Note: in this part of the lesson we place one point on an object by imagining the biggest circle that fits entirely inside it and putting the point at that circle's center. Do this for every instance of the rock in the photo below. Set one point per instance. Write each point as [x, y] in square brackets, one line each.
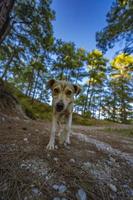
[130, 192]
[87, 165]
[26, 139]
[66, 146]
[113, 187]
[56, 198]
[35, 190]
[55, 159]
[56, 147]
[48, 155]
[72, 160]
[112, 159]
[3, 119]
[81, 195]
[91, 152]
[55, 187]
[61, 188]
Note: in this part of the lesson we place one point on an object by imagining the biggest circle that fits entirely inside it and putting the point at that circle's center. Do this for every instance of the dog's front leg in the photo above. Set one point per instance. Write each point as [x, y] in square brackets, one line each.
[68, 128]
[51, 143]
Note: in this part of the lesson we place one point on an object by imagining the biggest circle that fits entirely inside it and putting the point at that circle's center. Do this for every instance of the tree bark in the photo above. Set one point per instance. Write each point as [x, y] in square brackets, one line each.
[5, 9]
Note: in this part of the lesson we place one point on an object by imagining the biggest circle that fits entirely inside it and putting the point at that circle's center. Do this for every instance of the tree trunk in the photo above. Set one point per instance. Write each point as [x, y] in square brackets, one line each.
[5, 9]
[7, 67]
[123, 105]
[36, 81]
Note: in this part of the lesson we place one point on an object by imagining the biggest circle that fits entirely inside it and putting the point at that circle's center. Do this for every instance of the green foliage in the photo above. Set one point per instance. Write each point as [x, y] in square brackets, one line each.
[30, 56]
[68, 59]
[120, 26]
[30, 38]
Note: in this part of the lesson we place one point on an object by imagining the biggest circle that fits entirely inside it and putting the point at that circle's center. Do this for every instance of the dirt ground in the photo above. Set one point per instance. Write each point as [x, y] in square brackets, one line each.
[99, 162]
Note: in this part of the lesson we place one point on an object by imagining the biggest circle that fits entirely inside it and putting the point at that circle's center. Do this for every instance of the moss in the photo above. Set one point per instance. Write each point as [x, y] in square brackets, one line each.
[35, 109]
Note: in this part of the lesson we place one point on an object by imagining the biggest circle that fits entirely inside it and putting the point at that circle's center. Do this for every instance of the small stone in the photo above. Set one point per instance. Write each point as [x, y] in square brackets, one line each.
[113, 187]
[35, 190]
[55, 187]
[64, 198]
[56, 198]
[81, 195]
[72, 160]
[56, 159]
[37, 130]
[130, 192]
[3, 119]
[66, 146]
[87, 165]
[62, 188]
[48, 155]
[56, 147]
[125, 186]
[112, 159]
[26, 139]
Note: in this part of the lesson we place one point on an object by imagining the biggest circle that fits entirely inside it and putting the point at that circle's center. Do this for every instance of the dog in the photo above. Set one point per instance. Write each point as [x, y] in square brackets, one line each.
[63, 93]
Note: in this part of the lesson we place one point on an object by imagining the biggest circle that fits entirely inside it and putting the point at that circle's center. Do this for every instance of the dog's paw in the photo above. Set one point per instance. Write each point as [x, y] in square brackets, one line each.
[67, 141]
[50, 146]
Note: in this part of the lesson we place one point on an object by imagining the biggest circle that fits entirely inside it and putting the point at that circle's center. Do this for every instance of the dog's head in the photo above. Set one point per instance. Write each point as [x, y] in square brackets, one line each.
[63, 93]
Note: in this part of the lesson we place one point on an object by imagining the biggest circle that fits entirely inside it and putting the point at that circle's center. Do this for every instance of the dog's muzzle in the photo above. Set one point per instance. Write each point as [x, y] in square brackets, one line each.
[59, 106]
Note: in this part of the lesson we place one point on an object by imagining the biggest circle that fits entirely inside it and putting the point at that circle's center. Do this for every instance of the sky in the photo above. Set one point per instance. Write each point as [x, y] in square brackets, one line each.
[79, 20]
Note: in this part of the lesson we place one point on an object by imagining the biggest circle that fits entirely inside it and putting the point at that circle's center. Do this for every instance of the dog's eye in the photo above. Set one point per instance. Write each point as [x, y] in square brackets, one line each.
[68, 92]
[56, 91]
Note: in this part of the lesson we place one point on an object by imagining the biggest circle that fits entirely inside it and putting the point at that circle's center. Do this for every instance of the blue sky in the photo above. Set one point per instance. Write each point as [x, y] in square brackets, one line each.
[78, 21]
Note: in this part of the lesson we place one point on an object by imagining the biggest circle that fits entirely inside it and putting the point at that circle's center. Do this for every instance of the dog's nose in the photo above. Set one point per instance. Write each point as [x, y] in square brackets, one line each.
[59, 106]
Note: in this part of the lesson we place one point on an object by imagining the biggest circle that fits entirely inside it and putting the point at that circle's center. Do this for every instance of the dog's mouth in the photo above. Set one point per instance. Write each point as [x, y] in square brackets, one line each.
[59, 107]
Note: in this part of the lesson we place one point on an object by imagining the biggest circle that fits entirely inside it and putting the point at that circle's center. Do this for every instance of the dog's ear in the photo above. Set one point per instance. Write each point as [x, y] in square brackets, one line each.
[77, 89]
[51, 83]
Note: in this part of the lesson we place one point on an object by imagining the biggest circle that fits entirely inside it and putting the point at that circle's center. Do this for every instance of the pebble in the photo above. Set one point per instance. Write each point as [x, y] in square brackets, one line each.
[113, 187]
[61, 188]
[81, 195]
[56, 159]
[26, 139]
[56, 198]
[112, 159]
[130, 192]
[72, 160]
[3, 119]
[87, 164]
[55, 187]
[35, 190]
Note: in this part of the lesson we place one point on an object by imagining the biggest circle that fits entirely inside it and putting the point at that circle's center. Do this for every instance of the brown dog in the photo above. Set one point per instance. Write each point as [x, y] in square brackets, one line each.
[63, 98]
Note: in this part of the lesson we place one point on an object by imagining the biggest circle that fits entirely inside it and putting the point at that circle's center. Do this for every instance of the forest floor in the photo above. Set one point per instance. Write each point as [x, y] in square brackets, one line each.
[97, 165]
